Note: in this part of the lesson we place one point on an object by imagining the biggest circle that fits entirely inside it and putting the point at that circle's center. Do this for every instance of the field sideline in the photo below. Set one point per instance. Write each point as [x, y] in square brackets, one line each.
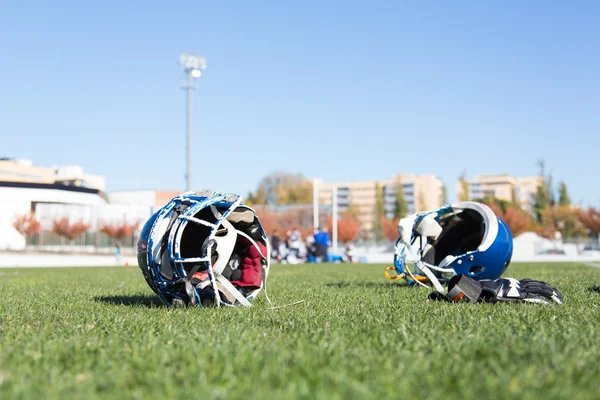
[101, 333]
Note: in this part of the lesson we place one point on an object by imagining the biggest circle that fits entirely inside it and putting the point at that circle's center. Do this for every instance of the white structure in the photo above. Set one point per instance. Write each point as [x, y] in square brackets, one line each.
[47, 201]
[62, 191]
[52, 201]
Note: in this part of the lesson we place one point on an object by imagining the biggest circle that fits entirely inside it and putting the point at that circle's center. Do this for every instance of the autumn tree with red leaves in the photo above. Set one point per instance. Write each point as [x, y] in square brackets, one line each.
[282, 188]
[590, 218]
[517, 220]
[268, 220]
[390, 228]
[117, 232]
[300, 218]
[348, 226]
[27, 225]
[70, 230]
[560, 219]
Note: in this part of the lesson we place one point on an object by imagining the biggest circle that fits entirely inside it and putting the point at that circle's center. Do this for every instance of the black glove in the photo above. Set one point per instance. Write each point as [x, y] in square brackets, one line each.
[463, 288]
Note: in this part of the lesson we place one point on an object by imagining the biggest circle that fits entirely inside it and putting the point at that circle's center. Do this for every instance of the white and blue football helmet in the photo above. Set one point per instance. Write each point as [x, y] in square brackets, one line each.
[463, 238]
[205, 248]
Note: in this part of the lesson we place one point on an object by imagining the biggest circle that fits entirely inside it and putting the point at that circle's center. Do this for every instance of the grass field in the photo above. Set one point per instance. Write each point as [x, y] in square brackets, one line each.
[101, 333]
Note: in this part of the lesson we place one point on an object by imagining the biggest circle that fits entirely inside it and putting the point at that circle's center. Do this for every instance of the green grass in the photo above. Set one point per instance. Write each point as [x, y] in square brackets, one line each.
[101, 333]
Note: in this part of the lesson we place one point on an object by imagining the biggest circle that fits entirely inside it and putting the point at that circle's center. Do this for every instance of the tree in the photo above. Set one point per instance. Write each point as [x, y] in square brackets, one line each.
[540, 202]
[390, 228]
[117, 232]
[563, 196]
[513, 196]
[282, 188]
[268, 219]
[27, 225]
[258, 197]
[496, 204]
[517, 220]
[444, 195]
[550, 191]
[463, 188]
[71, 230]
[348, 227]
[541, 198]
[590, 219]
[294, 217]
[400, 207]
[378, 212]
[562, 219]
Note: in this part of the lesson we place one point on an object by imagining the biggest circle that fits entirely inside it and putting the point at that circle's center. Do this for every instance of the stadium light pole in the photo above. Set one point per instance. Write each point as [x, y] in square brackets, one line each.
[192, 66]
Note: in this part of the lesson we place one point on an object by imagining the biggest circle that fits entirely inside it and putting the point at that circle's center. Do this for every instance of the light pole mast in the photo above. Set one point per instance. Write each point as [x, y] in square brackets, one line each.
[192, 67]
[188, 141]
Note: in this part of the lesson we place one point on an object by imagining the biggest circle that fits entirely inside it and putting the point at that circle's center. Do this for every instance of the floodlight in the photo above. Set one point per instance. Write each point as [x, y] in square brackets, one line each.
[191, 62]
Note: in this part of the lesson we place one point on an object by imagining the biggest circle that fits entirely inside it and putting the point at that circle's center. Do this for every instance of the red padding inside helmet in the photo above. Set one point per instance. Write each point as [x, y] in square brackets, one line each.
[250, 265]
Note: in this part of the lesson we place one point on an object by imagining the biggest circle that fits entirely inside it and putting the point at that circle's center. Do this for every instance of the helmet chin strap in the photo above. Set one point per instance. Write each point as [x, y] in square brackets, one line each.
[419, 263]
[226, 244]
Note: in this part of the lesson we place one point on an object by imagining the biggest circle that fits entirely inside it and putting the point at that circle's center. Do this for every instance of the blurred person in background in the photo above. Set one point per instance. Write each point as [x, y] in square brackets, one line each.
[117, 253]
[276, 245]
[295, 235]
[296, 249]
[310, 248]
[349, 253]
[295, 241]
[322, 243]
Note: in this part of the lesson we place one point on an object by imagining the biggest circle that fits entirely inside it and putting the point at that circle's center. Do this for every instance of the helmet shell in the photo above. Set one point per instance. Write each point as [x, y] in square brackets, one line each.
[193, 243]
[462, 238]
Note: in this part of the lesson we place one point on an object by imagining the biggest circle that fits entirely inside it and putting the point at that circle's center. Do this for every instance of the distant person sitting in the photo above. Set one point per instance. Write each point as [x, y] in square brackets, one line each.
[117, 254]
[322, 242]
[296, 248]
[295, 240]
[275, 245]
[295, 235]
[310, 248]
[349, 253]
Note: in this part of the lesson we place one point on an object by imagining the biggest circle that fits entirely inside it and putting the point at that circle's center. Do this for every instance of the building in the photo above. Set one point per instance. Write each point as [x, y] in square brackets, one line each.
[502, 187]
[420, 192]
[48, 193]
[54, 193]
[23, 171]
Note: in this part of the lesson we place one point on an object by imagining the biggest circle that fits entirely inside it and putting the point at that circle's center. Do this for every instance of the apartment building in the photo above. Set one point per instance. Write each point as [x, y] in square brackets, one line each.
[502, 187]
[421, 192]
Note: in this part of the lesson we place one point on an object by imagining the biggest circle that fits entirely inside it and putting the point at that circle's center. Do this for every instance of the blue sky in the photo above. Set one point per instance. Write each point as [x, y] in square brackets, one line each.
[340, 90]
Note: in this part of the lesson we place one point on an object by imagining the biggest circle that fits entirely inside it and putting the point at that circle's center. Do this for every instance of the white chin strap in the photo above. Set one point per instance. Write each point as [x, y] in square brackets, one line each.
[225, 245]
[428, 227]
[425, 269]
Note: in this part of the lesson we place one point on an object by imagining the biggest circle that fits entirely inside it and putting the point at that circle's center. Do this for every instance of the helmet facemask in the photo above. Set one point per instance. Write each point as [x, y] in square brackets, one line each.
[198, 242]
[465, 238]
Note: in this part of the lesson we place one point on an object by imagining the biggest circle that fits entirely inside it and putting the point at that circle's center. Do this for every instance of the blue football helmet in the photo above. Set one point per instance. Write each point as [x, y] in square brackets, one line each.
[205, 248]
[463, 238]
